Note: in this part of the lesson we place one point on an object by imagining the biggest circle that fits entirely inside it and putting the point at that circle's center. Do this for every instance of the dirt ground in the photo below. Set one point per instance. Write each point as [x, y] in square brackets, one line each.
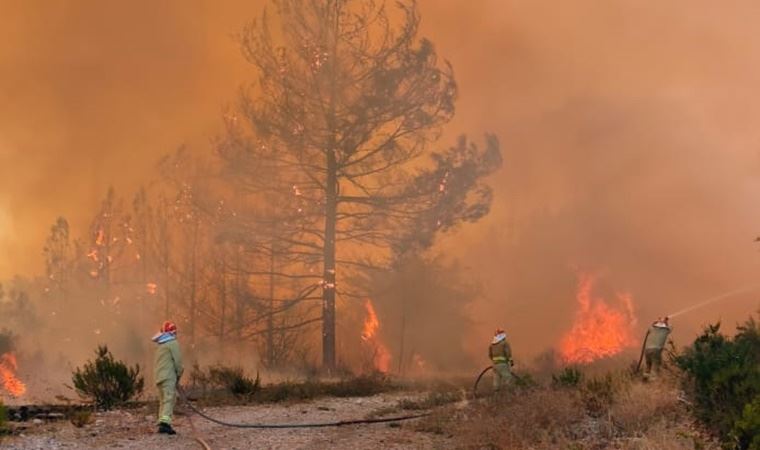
[136, 429]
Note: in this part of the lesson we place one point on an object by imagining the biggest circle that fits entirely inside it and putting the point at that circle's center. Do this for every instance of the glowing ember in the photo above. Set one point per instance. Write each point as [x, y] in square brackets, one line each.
[381, 357]
[600, 330]
[7, 375]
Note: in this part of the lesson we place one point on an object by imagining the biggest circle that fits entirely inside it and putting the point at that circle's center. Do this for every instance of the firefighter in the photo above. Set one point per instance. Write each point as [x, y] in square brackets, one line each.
[655, 342]
[501, 356]
[168, 370]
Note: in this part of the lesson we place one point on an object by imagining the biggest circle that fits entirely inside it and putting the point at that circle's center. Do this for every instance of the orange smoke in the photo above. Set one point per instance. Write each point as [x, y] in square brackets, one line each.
[381, 357]
[599, 330]
[7, 375]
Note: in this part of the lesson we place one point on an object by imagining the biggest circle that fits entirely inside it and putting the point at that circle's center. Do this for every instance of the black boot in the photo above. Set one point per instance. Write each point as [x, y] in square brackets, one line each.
[165, 428]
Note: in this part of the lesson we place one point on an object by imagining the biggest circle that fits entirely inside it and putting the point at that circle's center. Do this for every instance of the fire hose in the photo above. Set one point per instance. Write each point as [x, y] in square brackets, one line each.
[483, 372]
[641, 355]
[339, 423]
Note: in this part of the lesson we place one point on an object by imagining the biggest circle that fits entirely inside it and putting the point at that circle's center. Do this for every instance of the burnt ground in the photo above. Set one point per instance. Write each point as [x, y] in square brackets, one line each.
[135, 429]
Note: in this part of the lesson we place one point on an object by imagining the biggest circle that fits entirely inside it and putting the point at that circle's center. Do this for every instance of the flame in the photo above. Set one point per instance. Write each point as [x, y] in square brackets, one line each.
[600, 330]
[381, 357]
[7, 375]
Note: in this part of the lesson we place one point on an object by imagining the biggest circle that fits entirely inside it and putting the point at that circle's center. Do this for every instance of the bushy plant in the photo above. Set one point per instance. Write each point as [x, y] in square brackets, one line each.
[569, 377]
[234, 380]
[723, 377]
[746, 430]
[107, 381]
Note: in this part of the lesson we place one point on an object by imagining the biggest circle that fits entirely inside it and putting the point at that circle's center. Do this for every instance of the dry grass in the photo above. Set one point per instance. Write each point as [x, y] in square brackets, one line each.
[639, 416]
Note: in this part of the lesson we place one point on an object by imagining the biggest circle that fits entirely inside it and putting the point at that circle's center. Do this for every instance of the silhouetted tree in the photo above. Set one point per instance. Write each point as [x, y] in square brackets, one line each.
[348, 100]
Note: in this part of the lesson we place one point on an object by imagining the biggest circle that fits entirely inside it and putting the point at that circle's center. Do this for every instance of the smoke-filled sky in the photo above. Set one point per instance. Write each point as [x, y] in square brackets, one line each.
[628, 130]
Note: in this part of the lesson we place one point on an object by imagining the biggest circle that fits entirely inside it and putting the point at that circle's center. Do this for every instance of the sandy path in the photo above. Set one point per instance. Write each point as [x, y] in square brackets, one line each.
[135, 430]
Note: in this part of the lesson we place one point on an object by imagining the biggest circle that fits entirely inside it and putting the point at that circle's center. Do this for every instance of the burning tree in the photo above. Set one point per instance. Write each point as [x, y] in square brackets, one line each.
[348, 101]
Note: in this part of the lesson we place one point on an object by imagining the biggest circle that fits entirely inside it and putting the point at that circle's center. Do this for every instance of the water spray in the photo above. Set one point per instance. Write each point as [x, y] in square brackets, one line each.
[715, 299]
[692, 308]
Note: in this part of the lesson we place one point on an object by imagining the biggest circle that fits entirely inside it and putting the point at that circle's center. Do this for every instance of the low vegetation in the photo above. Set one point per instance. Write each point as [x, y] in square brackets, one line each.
[107, 382]
[221, 384]
[722, 376]
[234, 380]
[81, 417]
[3, 418]
[431, 400]
[568, 377]
[611, 411]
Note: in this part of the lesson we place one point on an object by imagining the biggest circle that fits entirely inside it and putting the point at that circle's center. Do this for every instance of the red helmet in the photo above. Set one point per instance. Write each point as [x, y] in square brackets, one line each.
[498, 331]
[168, 327]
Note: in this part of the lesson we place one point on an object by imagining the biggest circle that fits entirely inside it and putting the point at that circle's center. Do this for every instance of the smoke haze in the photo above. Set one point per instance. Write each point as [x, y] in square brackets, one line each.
[628, 131]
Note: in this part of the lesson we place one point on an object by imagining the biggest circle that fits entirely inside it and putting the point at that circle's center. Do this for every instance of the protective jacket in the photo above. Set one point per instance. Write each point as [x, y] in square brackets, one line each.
[499, 351]
[168, 363]
[658, 335]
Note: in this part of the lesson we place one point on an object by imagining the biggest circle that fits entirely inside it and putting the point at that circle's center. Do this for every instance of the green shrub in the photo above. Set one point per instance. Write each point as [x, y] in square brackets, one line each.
[106, 381]
[746, 432]
[233, 379]
[569, 377]
[723, 377]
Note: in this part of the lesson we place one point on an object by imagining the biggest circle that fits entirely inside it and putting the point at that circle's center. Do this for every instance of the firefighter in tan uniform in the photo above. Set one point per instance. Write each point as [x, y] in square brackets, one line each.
[500, 354]
[655, 342]
[168, 370]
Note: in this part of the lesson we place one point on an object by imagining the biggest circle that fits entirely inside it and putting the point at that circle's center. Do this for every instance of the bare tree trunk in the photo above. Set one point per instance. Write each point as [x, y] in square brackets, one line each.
[193, 281]
[328, 292]
[401, 345]
[270, 318]
[223, 300]
[331, 211]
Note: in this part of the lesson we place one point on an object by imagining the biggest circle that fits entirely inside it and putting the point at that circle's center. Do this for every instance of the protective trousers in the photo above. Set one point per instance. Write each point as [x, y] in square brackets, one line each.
[654, 359]
[167, 397]
[502, 376]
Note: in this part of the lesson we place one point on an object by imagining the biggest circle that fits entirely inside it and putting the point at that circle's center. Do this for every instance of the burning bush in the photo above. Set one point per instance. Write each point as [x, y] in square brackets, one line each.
[723, 377]
[106, 381]
[8, 366]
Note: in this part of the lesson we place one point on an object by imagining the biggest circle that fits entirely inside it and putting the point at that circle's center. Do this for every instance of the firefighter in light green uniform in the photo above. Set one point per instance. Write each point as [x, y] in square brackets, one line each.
[655, 342]
[500, 354]
[168, 370]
